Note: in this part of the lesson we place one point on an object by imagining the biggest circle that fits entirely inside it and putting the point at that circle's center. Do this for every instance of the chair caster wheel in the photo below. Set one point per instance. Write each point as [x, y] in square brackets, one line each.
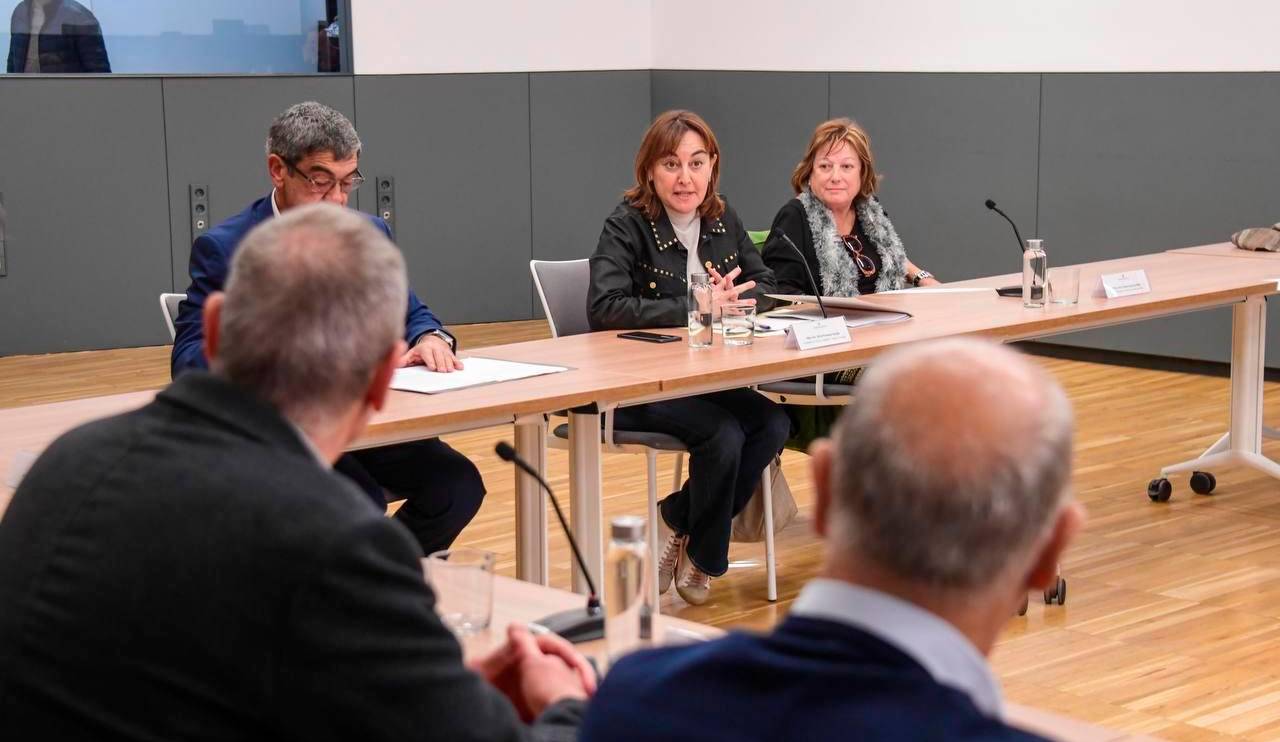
[1159, 490]
[1057, 593]
[1202, 482]
[1026, 603]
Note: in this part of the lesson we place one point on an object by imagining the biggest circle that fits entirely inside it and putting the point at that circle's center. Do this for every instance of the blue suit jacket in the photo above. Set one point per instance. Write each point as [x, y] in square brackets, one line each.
[210, 260]
[811, 679]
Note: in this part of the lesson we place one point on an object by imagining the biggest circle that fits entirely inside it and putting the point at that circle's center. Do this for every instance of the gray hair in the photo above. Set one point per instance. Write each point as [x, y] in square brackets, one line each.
[952, 463]
[311, 127]
[315, 300]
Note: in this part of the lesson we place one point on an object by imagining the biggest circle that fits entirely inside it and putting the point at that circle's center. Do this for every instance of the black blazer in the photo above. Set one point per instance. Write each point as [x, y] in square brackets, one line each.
[70, 40]
[190, 571]
[638, 270]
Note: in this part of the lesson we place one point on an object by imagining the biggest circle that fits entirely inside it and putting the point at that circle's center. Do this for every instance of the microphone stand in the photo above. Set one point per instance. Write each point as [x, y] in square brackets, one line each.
[812, 283]
[1013, 291]
[577, 624]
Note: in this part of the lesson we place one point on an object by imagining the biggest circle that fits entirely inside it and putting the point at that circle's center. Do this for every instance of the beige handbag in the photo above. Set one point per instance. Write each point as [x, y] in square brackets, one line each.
[748, 526]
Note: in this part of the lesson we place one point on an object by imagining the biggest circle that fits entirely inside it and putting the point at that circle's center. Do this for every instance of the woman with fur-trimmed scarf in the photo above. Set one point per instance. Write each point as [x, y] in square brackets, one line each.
[845, 236]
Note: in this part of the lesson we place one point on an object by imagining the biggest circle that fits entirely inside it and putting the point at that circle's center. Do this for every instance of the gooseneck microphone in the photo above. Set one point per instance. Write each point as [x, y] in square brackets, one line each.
[1022, 246]
[576, 625]
[1013, 291]
[812, 283]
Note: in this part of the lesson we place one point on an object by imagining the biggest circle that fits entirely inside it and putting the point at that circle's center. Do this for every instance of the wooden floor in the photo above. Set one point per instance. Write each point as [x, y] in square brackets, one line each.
[1172, 626]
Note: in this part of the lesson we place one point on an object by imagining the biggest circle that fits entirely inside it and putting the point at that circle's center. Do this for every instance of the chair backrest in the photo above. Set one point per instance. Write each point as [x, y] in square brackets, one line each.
[169, 305]
[758, 237]
[562, 288]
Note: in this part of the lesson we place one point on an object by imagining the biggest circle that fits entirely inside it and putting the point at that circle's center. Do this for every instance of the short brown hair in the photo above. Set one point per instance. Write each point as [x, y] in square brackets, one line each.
[661, 140]
[828, 134]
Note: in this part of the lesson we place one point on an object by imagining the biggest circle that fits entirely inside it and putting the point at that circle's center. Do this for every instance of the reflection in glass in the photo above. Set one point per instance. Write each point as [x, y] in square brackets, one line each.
[176, 36]
[55, 36]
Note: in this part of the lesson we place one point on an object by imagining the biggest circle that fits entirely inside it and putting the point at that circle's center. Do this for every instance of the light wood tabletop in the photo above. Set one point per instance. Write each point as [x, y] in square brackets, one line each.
[1226, 250]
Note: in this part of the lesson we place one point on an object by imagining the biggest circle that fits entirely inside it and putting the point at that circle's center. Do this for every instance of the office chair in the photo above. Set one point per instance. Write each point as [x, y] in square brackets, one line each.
[169, 306]
[562, 288]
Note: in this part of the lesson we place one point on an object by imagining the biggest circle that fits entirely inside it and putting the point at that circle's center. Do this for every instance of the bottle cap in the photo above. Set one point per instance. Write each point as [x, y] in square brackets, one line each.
[1035, 244]
[699, 278]
[628, 528]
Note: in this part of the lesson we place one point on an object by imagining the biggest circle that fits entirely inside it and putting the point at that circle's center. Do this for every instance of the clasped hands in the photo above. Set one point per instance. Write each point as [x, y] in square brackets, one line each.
[536, 671]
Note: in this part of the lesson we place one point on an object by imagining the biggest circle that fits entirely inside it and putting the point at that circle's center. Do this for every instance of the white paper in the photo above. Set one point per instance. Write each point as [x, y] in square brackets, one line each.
[1128, 283]
[475, 372]
[783, 319]
[939, 290]
[839, 302]
[817, 334]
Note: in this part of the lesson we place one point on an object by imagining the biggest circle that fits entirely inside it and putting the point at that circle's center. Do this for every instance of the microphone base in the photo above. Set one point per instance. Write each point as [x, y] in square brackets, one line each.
[1012, 291]
[576, 625]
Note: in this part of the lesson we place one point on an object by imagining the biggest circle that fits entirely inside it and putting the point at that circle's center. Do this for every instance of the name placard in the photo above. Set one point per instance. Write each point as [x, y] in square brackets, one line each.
[817, 334]
[1128, 283]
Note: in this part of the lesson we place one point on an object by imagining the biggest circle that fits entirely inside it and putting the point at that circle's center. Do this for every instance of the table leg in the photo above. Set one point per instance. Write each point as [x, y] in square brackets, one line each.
[531, 502]
[584, 494]
[1242, 445]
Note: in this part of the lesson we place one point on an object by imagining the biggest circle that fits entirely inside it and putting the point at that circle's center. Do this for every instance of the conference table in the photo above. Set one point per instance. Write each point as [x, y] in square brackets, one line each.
[606, 372]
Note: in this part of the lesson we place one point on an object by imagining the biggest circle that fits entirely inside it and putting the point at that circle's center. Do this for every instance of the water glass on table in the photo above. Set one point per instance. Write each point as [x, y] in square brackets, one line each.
[738, 319]
[1064, 285]
[463, 583]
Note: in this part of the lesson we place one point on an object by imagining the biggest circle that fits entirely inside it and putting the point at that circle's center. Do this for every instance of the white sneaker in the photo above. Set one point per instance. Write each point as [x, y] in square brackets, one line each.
[669, 561]
[694, 585]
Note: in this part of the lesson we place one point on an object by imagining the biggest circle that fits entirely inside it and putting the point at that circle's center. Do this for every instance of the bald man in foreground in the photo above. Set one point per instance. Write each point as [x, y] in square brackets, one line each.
[942, 499]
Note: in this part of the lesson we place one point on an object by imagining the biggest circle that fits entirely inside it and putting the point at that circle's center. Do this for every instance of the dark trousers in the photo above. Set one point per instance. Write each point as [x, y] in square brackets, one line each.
[732, 436]
[442, 488]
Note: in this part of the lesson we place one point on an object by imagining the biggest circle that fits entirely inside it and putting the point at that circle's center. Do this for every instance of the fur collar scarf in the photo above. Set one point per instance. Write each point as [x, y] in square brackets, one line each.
[839, 274]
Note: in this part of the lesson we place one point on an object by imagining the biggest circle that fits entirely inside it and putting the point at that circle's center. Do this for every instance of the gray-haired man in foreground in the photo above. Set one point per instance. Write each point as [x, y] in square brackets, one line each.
[197, 570]
[943, 498]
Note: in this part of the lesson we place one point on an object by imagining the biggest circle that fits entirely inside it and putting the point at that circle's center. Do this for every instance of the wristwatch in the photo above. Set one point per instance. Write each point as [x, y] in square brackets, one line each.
[917, 278]
[451, 340]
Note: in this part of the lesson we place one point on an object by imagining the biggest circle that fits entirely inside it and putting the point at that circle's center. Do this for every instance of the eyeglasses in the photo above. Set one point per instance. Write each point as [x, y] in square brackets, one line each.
[853, 246]
[323, 183]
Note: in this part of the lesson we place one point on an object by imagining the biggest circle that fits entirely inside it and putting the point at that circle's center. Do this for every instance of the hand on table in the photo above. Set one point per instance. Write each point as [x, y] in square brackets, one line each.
[433, 352]
[723, 291]
[536, 671]
[931, 282]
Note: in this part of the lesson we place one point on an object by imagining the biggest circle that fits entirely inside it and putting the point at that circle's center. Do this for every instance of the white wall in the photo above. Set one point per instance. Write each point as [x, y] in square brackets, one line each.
[421, 36]
[967, 35]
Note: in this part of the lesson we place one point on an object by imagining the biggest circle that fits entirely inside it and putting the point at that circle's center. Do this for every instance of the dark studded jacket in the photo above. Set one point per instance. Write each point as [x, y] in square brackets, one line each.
[638, 269]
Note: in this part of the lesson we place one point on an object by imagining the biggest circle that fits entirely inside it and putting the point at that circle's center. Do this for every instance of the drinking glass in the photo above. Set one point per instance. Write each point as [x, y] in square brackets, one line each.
[463, 582]
[739, 322]
[1064, 285]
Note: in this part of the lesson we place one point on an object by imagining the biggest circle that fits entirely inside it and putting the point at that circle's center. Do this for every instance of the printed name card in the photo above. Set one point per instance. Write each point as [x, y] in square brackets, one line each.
[1128, 283]
[817, 334]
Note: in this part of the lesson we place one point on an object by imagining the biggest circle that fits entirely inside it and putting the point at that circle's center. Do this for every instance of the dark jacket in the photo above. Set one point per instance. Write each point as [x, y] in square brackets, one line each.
[211, 259]
[190, 571]
[811, 679]
[70, 40]
[638, 270]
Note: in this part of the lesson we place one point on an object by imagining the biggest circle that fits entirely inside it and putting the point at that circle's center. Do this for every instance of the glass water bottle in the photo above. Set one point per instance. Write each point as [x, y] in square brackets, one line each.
[700, 311]
[626, 576]
[1035, 266]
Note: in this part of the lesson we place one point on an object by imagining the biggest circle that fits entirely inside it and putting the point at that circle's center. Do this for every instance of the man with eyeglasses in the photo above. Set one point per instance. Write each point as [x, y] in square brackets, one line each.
[313, 155]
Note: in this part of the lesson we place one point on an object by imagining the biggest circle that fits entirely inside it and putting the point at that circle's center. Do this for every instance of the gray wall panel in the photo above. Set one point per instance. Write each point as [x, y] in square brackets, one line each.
[458, 148]
[83, 176]
[761, 119]
[1133, 164]
[944, 144]
[584, 130]
[216, 128]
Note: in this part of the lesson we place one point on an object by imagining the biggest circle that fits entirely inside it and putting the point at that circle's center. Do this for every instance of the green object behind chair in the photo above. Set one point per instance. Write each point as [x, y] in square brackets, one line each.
[758, 236]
